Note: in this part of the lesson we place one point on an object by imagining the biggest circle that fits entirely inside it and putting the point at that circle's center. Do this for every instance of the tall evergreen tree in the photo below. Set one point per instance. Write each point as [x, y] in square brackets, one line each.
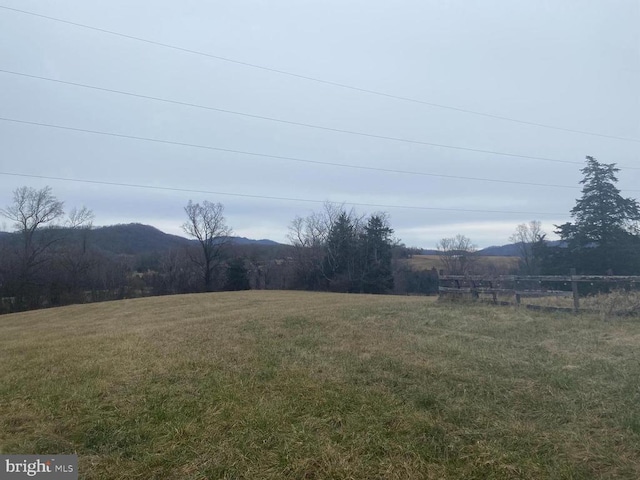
[603, 236]
[341, 249]
[376, 244]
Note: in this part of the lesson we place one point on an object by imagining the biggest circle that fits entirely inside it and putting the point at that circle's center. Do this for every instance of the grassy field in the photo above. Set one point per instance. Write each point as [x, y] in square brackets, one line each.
[308, 385]
[496, 264]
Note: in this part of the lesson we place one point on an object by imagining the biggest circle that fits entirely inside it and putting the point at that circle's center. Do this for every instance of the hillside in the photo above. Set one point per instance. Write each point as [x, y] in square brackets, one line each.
[133, 239]
[290, 385]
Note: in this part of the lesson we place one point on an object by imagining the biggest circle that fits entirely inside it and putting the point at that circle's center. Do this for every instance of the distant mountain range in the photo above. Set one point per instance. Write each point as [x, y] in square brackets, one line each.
[135, 238]
[509, 250]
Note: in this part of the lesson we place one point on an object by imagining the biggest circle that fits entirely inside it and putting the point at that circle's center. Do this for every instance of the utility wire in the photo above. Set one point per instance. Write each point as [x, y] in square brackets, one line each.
[288, 122]
[96, 132]
[292, 159]
[320, 80]
[266, 197]
[279, 157]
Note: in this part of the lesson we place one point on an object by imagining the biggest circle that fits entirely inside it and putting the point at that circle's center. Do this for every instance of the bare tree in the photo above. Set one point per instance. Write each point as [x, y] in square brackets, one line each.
[74, 255]
[309, 236]
[525, 236]
[80, 218]
[31, 210]
[176, 274]
[313, 230]
[206, 223]
[457, 254]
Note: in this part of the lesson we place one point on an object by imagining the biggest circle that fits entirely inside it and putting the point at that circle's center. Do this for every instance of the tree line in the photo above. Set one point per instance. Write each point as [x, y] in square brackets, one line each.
[341, 251]
[51, 258]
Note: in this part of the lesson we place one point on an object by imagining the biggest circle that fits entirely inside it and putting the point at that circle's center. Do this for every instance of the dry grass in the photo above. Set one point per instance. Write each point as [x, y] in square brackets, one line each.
[618, 302]
[607, 305]
[496, 265]
[310, 385]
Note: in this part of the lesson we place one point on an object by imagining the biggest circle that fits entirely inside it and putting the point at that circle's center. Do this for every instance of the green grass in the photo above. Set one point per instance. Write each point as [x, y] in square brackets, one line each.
[309, 385]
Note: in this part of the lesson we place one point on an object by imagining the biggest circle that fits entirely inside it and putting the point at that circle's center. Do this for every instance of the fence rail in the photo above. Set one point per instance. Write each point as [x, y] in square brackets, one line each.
[476, 285]
[544, 278]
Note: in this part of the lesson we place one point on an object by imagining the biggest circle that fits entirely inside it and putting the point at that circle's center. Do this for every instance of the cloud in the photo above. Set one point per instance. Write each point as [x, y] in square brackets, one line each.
[567, 64]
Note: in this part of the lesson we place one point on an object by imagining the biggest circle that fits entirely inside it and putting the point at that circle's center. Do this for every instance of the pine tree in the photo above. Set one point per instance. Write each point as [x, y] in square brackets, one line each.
[377, 276]
[603, 237]
[341, 249]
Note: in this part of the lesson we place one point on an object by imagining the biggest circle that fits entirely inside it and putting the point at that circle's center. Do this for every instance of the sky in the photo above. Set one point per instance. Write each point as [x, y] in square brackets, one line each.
[408, 95]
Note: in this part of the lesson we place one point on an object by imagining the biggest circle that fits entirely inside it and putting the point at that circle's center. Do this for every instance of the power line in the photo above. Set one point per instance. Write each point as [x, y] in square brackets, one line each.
[266, 197]
[293, 159]
[147, 139]
[320, 80]
[280, 157]
[288, 122]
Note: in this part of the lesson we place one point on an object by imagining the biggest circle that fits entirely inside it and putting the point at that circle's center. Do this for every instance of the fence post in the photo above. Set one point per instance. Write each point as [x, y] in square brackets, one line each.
[574, 289]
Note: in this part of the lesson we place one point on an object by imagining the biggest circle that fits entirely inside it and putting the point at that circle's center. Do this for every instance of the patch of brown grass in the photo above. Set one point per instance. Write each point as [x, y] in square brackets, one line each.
[607, 305]
[497, 265]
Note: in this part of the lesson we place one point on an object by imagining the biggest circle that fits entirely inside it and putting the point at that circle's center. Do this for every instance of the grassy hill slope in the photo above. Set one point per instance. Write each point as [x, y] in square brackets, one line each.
[309, 385]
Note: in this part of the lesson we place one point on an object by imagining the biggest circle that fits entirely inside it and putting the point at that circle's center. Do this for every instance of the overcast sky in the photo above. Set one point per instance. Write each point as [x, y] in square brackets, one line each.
[569, 64]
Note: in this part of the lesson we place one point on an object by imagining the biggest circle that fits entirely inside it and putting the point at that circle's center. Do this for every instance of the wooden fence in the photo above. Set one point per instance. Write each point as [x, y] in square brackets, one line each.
[526, 286]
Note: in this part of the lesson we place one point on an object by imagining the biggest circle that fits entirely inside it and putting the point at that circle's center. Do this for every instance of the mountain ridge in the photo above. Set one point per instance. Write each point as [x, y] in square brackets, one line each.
[135, 238]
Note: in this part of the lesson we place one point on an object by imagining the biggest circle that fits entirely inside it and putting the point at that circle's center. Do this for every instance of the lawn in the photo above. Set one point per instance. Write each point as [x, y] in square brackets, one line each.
[290, 385]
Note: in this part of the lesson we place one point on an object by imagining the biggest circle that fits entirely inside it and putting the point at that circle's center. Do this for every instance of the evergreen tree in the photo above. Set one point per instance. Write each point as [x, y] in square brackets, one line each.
[341, 249]
[344, 253]
[603, 237]
[237, 276]
[376, 244]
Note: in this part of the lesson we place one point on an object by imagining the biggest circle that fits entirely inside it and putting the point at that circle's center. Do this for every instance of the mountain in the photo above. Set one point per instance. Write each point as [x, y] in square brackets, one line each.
[135, 239]
[248, 241]
[513, 249]
[510, 250]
